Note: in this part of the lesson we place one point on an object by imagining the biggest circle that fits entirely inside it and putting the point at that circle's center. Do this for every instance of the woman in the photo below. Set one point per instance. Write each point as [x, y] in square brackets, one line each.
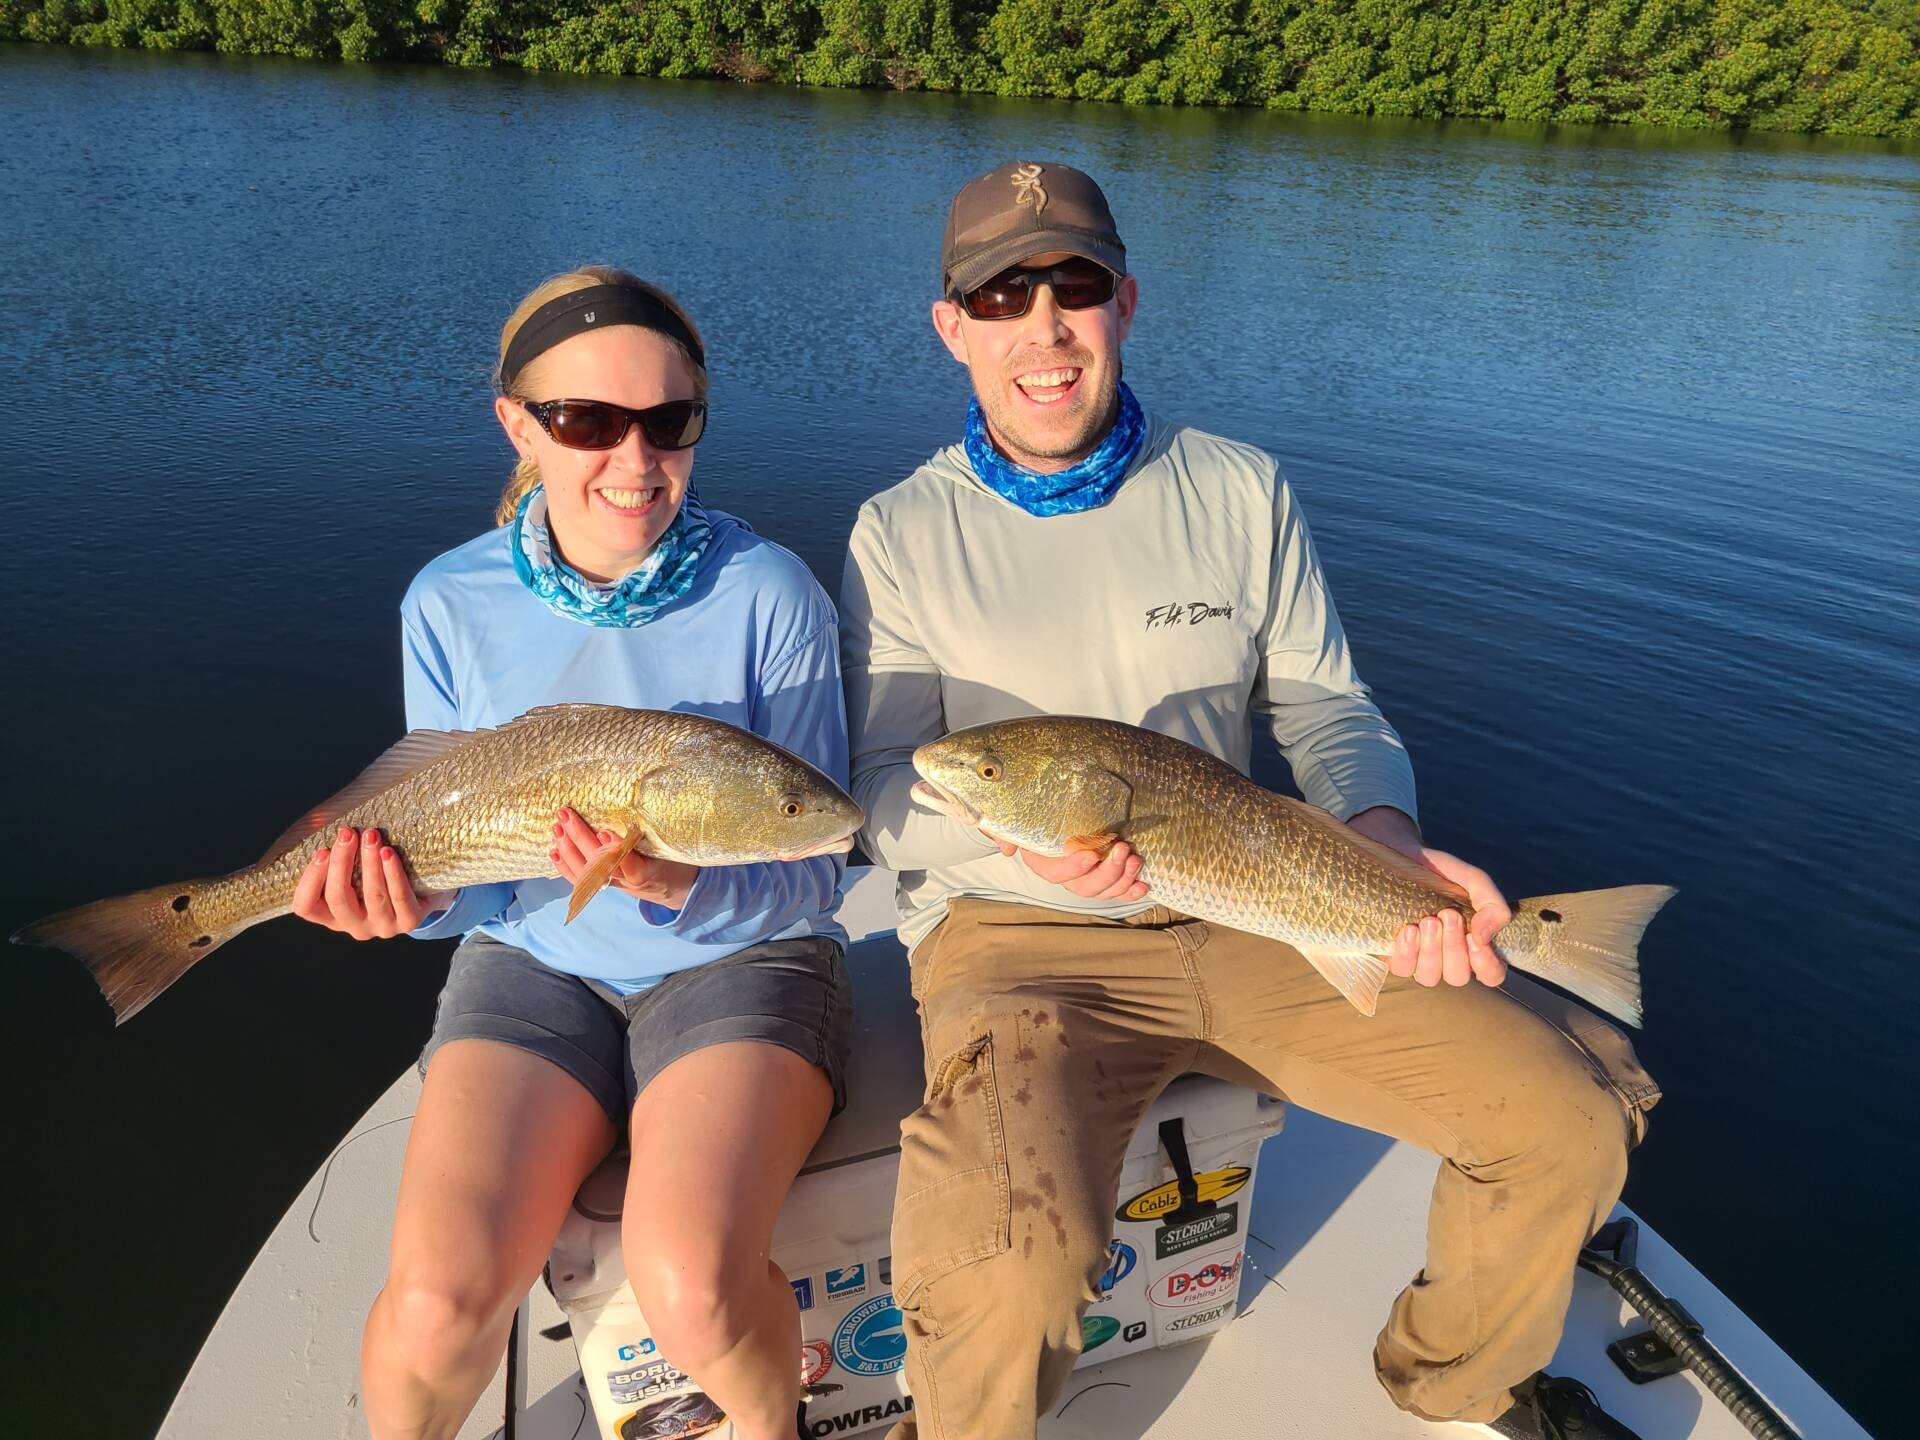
[703, 1012]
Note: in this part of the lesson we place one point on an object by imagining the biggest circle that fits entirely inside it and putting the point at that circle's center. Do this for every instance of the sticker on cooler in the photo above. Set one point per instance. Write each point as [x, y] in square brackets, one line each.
[1195, 1319]
[1164, 1199]
[654, 1377]
[847, 1282]
[1171, 1239]
[1204, 1278]
[1096, 1330]
[871, 1339]
[1125, 1257]
[680, 1417]
[860, 1419]
[816, 1359]
[803, 1291]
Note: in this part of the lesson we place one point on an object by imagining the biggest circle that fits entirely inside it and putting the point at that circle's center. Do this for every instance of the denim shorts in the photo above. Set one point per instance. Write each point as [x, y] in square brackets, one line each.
[791, 993]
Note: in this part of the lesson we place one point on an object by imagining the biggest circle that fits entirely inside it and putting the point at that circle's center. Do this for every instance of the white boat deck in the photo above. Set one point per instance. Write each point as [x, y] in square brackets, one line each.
[1338, 1226]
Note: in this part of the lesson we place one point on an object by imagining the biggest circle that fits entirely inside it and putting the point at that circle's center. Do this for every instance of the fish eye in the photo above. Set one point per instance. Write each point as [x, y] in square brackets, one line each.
[791, 807]
[988, 769]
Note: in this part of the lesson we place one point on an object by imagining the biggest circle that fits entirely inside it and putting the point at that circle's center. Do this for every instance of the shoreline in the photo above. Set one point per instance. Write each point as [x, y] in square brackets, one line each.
[1746, 65]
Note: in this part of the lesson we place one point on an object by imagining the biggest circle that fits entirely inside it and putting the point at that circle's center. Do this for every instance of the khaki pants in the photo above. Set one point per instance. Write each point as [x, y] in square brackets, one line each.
[1049, 1034]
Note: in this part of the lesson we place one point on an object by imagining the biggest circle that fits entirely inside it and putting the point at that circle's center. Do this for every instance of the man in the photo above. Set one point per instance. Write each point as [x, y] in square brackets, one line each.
[1076, 556]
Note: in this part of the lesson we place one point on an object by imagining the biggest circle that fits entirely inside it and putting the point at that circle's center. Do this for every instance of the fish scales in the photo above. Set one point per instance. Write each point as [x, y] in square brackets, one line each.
[1214, 844]
[471, 808]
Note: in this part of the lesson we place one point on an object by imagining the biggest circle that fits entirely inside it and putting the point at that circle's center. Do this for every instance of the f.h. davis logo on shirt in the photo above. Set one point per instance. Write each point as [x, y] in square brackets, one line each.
[1176, 613]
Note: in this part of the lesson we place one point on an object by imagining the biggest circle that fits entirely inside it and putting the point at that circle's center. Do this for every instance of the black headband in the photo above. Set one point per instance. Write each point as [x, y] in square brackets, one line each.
[591, 309]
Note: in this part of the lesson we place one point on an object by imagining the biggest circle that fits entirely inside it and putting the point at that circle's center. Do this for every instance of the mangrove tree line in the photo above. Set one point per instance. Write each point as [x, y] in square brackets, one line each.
[1843, 66]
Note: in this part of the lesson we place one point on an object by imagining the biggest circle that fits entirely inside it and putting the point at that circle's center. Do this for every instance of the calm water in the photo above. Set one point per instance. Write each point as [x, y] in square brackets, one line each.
[1608, 439]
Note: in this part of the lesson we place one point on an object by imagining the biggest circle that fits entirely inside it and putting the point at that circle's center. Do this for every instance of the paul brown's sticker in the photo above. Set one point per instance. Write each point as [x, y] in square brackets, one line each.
[1165, 1199]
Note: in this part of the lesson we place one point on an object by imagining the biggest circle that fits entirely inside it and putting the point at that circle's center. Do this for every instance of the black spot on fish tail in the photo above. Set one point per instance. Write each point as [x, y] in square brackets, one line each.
[1552, 917]
[180, 902]
[203, 942]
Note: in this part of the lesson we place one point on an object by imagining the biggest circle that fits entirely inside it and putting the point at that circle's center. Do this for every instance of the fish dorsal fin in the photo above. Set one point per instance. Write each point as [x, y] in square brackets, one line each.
[1355, 975]
[1405, 866]
[412, 753]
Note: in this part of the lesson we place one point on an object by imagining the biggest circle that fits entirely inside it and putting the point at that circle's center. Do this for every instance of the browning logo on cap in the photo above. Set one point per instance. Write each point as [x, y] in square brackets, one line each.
[1026, 186]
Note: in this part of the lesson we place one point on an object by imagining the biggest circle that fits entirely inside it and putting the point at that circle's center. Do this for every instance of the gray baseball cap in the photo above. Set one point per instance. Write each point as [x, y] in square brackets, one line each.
[1024, 209]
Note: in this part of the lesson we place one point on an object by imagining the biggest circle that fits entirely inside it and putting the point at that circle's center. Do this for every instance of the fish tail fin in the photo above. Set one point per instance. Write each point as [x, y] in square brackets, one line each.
[135, 945]
[1588, 943]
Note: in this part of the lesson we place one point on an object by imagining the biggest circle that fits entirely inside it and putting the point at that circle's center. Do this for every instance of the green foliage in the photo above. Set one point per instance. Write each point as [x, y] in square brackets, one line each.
[1840, 66]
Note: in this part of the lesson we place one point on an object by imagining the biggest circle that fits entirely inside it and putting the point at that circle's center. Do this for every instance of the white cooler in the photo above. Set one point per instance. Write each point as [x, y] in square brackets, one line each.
[1175, 1274]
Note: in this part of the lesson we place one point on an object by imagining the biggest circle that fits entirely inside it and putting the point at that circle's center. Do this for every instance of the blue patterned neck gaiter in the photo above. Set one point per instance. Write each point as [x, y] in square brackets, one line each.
[663, 577]
[1085, 486]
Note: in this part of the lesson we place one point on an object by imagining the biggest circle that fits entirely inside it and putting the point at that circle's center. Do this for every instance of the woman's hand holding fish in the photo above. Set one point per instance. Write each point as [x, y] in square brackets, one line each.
[576, 845]
[1442, 947]
[383, 906]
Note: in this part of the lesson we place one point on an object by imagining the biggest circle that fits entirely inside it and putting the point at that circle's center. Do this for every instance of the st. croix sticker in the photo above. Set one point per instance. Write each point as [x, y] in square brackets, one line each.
[1165, 1199]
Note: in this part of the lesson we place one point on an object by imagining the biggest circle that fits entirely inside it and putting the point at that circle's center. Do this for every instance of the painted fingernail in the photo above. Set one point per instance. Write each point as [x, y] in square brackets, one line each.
[373, 837]
[559, 829]
[553, 854]
[320, 855]
[386, 852]
[345, 837]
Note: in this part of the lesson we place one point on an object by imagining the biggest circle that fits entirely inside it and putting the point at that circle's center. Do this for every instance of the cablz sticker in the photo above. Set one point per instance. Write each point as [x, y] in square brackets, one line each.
[860, 1419]
[1172, 1240]
[1165, 1199]
[1203, 1280]
[1203, 1317]
[1096, 1330]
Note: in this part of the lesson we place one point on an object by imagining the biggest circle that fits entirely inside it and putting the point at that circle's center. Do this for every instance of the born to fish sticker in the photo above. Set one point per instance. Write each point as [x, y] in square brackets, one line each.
[1165, 1199]
[1205, 1278]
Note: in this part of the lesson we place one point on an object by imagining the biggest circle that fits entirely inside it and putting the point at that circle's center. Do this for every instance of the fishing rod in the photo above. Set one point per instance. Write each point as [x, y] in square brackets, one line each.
[1677, 1341]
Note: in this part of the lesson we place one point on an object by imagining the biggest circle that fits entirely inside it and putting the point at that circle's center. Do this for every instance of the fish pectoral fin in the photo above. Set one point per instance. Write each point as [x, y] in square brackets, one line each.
[1099, 844]
[1355, 974]
[1099, 800]
[599, 874]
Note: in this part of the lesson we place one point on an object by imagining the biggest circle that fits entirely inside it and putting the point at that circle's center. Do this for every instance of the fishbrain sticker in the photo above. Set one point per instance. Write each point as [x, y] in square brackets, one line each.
[1203, 1279]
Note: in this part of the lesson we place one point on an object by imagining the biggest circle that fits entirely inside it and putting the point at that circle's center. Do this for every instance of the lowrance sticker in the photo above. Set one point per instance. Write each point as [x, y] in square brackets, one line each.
[861, 1419]
[1164, 1199]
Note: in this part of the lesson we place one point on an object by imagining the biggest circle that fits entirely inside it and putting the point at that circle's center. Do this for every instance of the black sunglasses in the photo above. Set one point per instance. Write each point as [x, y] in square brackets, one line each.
[601, 425]
[1078, 284]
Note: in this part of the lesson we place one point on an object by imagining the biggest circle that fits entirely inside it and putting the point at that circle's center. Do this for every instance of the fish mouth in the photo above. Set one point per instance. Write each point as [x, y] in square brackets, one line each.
[936, 797]
[829, 847]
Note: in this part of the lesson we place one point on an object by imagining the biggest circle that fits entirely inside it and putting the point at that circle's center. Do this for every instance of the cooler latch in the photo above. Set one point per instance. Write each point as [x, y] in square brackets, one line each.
[1173, 1139]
